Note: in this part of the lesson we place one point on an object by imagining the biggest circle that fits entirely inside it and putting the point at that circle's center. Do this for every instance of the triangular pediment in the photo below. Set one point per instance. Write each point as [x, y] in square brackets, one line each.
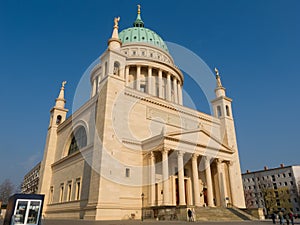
[200, 137]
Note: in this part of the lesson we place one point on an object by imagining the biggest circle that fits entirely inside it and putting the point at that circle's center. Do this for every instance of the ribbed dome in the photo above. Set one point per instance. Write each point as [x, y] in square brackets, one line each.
[142, 34]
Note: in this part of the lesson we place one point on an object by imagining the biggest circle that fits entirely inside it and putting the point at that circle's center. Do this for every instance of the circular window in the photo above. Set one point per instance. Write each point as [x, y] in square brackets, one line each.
[134, 37]
[127, 38]
[143, 38]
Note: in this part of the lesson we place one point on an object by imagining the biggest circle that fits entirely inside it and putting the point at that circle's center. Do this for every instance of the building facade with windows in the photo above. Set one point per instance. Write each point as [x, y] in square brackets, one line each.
[273, 189]
[133, 144]
[30, 182]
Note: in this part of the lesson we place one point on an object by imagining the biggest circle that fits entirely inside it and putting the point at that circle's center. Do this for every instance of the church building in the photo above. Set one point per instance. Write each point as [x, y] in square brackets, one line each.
[133, 149]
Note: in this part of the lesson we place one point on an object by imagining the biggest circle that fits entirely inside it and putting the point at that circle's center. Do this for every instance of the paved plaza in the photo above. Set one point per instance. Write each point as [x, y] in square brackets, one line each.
[151, 222]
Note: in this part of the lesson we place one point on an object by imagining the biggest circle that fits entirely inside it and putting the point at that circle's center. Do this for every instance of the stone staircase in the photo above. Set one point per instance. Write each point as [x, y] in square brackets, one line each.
[220, 214]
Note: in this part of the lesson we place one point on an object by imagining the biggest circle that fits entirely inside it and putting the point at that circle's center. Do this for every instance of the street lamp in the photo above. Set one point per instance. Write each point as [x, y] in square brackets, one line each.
[142, 216]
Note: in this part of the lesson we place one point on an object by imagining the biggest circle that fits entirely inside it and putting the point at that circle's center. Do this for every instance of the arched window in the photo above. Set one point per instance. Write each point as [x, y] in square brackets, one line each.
[116, 68]
[227, 111]
[105, 69]
[219, 113]
[58, 119]
[79, 140]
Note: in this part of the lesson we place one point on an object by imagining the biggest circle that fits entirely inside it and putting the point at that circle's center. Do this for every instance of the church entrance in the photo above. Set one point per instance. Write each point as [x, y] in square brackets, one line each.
[205, 196]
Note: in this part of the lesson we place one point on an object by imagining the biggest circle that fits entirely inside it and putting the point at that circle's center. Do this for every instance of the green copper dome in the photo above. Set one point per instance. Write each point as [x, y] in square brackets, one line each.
[138, 33]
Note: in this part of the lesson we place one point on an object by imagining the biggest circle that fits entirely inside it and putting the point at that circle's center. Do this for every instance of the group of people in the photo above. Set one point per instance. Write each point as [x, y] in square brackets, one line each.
[284, 217]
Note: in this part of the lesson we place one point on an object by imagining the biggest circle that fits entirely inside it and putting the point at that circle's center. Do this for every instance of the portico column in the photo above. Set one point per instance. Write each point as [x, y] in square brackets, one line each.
[138, 77]
[181, 178]
[149, 88]
[195, 180]
[210, 195]
[231, 178]
[179, 90]
[152, 179]
[169, 87]
[222, 182]
[127, 75]
[160, 83]
[175, 90]
[165, 171]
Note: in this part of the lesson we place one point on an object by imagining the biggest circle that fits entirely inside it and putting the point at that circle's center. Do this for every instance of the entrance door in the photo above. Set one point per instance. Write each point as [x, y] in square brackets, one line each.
[177, 191]
[27, 212]
[205, 196]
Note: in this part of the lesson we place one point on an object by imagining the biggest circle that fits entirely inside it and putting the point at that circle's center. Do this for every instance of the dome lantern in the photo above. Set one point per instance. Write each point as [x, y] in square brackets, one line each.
[138, 22]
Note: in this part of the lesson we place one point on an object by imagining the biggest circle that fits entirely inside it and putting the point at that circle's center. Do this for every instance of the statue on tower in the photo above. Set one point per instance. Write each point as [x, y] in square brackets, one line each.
[116, 21]
[219, 84]
[63, 84]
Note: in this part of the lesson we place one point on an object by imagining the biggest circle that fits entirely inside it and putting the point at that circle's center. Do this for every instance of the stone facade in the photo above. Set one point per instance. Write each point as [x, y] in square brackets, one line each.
[273, 189]
[134, 145]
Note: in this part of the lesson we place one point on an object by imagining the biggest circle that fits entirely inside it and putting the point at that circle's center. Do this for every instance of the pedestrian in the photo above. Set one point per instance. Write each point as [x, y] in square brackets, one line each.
[291, 216]
[286, 216]
[273, 216]
[281, 218]
[190, 215]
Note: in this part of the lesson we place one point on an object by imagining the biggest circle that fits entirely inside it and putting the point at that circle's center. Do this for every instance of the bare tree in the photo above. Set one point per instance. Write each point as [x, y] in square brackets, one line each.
[6, 190]
[249, 198]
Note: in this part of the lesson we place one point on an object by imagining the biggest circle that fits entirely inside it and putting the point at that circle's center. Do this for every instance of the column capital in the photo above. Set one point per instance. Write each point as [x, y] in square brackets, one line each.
[195, 156]
[165, 150]
[218, 161]
[180, 153]
[151, 155]
[229, 163]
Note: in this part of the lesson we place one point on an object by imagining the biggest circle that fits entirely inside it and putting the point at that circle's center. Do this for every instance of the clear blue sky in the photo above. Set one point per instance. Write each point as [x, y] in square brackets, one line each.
[255, 44]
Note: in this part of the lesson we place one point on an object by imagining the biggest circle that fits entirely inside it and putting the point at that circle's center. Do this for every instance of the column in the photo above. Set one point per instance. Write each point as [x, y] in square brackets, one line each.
[127, 75]
[160, 84]
[169, 98]
[195, 180]
[231, 178]
[152, 179]
[222, 182]
[210, 195]
[149, 88]
[138, 78]
[165, 171]
[181, 178]
[179, 90]
[175, 90]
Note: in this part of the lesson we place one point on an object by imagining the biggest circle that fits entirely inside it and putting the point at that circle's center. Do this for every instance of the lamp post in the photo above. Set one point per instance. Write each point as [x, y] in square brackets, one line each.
[142, 216]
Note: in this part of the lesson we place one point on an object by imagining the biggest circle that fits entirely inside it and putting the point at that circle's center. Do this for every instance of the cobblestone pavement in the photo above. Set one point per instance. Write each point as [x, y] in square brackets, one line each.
[149, 222]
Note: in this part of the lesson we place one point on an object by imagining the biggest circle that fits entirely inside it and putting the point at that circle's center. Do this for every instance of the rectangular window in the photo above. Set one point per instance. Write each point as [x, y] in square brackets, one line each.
[69, 196]
[290, 174]
[51, 195]
[127, 172]
[61, 194]
[77, 194]
[292, 183]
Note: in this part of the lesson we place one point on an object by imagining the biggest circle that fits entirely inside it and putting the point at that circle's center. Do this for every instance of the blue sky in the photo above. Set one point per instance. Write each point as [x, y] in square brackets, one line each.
[255, 45]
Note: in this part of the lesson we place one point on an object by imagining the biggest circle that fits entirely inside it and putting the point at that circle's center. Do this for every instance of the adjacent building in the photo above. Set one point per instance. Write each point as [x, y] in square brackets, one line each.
[30, 183]
[273, 189]
[134, 144]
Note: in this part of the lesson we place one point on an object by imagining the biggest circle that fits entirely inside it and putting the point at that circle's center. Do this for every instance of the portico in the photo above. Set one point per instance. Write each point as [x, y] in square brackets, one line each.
[181, 177]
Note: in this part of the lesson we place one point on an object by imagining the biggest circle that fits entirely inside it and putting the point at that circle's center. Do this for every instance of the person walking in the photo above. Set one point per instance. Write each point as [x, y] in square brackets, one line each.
[291, 216]
[273, 217]
[190, 215]
[281, 218]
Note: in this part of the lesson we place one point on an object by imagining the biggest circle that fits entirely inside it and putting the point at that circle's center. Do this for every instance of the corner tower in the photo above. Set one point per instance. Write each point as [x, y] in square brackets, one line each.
[222, 109]
[57, 116]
